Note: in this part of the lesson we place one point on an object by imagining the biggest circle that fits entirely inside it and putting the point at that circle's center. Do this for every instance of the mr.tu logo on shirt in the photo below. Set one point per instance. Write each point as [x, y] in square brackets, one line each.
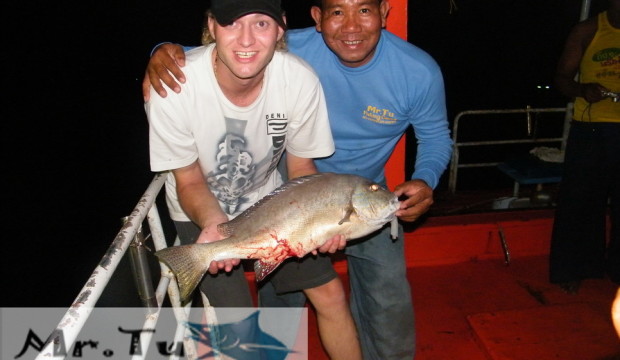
[379, 116]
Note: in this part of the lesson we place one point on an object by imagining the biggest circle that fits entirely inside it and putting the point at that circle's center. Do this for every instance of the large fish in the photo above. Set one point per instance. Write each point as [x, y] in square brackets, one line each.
[293, 220]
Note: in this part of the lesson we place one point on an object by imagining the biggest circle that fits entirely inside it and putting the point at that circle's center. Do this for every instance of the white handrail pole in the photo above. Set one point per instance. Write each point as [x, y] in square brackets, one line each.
[75, 318]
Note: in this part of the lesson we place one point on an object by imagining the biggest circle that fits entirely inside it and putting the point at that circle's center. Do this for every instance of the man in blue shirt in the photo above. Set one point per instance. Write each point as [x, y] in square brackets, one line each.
[376, 86]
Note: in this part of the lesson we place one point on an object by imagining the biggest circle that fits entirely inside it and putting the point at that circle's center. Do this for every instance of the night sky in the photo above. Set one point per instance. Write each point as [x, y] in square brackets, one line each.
[75, 133]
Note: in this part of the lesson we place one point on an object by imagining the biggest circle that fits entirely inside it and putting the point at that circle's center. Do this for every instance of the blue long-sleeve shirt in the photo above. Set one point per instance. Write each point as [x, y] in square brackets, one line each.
[371, 106]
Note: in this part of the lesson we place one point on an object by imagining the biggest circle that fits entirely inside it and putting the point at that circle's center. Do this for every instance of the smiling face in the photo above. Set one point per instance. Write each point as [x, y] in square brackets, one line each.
[351, 28]
[245, 47]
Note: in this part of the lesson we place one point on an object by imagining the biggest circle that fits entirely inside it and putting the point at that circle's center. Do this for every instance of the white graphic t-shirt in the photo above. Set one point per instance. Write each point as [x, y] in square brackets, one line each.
[238, 148]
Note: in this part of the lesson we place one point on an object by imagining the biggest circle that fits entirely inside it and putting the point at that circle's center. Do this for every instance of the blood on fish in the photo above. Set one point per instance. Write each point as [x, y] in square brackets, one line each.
[274, 254]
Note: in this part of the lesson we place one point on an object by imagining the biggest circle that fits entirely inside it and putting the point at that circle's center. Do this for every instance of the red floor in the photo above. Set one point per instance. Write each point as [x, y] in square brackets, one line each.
[477, 307]
[456, 306]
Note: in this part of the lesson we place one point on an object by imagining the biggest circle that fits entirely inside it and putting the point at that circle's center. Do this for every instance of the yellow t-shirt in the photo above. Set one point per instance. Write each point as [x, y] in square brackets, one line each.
[601, 64]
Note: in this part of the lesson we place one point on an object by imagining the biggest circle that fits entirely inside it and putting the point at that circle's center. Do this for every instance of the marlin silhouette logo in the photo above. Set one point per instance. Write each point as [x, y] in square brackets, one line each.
[243, 340]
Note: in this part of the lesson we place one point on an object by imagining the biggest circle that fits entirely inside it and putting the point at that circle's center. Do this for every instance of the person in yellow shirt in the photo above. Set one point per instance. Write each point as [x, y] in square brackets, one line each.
[589, 72]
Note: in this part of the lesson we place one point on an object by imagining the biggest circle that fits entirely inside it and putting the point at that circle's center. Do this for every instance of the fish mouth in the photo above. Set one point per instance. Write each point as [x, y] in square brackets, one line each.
[387, 214]
[394, 206]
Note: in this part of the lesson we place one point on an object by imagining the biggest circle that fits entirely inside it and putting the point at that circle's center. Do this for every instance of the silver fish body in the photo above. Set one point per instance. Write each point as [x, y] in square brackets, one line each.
[293, 220]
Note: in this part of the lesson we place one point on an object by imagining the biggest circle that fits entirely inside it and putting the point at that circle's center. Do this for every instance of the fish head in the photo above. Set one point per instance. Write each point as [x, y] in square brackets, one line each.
[374, 204]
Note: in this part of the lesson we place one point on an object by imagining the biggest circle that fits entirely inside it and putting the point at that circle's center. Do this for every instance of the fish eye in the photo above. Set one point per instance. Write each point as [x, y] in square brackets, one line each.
[374, 187]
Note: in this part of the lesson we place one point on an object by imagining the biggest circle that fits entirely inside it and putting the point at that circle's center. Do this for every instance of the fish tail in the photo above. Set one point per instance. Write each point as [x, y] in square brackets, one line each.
[187, 265]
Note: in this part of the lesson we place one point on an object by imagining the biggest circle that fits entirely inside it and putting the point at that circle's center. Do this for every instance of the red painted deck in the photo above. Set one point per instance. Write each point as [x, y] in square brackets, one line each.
[471, 305]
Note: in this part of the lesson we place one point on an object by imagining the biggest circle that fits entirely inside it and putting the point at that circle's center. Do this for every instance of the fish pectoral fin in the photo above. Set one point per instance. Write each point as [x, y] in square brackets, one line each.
[263, 268]
[347, 216]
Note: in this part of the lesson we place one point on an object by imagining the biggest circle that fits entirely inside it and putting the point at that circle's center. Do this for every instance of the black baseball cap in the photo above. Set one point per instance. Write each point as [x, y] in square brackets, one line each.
[227, 11]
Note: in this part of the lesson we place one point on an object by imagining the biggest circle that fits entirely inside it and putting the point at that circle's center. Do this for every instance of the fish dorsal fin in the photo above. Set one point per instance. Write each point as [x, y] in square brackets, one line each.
[262, 268]
[228, 228]
[286, 186]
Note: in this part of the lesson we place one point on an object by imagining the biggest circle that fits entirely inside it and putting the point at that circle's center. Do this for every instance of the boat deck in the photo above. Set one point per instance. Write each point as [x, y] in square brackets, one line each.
[481, 310]
[472, 304]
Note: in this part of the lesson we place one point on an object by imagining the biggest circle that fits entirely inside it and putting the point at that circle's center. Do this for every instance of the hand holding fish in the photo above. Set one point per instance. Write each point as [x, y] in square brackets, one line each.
[226, 265]
[338, 242]
[210, 234]
[419, 199]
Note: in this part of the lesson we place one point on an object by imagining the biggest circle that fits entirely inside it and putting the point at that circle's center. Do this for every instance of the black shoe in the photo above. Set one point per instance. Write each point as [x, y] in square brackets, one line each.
[570, 287]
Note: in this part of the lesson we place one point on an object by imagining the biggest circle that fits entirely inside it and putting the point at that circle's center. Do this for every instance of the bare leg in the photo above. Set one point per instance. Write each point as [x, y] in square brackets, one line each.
[336, 326]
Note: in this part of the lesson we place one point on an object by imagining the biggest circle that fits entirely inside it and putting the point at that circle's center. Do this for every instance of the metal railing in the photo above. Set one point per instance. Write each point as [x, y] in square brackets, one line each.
[455, 164]
[130, 235]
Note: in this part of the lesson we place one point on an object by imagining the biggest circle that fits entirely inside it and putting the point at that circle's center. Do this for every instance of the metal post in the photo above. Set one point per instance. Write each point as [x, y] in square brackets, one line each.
[585, 9]
[76, 316]
[141, 271]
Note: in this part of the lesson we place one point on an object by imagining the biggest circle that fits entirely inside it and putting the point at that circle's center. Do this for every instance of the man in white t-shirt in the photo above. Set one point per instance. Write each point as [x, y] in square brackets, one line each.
[246, 101]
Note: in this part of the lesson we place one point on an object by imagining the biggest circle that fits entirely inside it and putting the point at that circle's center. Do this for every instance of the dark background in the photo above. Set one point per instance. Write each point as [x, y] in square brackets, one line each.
[74, 132]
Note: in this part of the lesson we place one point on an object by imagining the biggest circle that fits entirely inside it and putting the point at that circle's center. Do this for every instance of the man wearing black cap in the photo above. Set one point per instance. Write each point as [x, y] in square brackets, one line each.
[243, 105]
